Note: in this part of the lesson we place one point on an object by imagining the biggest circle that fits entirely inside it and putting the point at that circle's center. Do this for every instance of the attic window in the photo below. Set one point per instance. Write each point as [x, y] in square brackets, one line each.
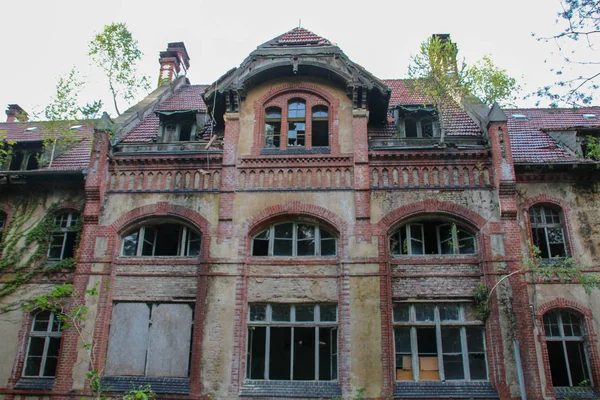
[589, 116]
[519, 116]
[75, 127]
[31, 129]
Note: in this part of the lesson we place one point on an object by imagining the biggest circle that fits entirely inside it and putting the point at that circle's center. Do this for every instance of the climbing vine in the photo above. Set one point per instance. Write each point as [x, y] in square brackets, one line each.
[482, 307]
[24, 248]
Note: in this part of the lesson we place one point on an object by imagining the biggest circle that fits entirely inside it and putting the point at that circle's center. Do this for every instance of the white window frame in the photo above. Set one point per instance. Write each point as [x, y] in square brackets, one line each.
[294, 240]
[562, 338]
[268, 323]
[183, 244]
[47, 335]
[72, 220]
[541, 210]
[461, 324]
[411, 226]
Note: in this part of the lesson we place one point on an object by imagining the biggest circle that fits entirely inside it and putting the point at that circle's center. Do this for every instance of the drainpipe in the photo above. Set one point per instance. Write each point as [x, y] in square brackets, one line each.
[519, 369]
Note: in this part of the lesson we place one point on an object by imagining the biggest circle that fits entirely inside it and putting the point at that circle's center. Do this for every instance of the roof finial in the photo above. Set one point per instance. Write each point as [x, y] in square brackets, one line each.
[299, 22]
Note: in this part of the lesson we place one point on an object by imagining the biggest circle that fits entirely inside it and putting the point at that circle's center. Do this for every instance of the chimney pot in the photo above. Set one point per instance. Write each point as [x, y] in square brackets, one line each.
[171, 61]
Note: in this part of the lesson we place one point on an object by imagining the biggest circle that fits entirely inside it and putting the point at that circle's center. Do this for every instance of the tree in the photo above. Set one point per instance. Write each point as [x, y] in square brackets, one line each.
[117, 53]
[579, 76]
[437, 73]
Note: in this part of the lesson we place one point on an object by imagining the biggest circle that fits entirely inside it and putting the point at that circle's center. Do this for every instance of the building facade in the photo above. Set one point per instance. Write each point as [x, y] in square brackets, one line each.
[302, 229]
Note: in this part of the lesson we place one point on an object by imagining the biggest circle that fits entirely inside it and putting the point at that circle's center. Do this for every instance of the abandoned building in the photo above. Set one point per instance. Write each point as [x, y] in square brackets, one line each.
[299, 229]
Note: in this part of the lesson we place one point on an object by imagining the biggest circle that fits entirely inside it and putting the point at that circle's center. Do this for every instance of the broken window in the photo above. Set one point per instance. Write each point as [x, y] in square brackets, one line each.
[320, 126]
[566, 348]
[273, 127]
[43, 346]
[292, 342]
[178, 128]
[432, 237]
[294, 239]
[436, 342]
[418, 122]
[162, 240]
[296, 123]
[547, 231]
[32, 161]
[151, 340]
[64, 238]
[2, 224]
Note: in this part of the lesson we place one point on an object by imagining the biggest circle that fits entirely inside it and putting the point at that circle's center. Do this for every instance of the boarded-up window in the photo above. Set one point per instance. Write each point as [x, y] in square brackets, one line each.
[150, 340]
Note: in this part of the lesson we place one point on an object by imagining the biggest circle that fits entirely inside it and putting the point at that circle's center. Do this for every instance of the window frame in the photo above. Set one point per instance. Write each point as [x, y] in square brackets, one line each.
[272, 120]
[462, 323]
[73, 218]
[47, 335]
[296, 120]
[184, 241]
[406, 230]
[419, 120]
[319, 108]
[178, 126]
[316, 323]
[317, 238]
[540, 210]
[563, 339]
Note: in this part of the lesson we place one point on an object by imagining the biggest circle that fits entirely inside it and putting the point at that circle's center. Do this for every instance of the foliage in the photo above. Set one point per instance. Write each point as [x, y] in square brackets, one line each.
[141, 393]
[481, 295]
[592, 145]
[437, 73]
[5, 147]
[564, 269]
[490, 83]
[117, 53]
[578, 76]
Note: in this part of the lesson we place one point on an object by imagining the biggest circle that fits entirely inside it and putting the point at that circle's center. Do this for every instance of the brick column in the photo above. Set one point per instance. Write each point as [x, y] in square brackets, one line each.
[362, 195]
[229, 177]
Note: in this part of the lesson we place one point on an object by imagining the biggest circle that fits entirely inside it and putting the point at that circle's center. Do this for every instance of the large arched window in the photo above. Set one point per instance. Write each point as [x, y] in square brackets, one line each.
[320, 126]
[273, 127]
[432, 237]
[64, 236]
[162, 239]
[565, 341]
[292, 239]
[296, 123]
[547, 230]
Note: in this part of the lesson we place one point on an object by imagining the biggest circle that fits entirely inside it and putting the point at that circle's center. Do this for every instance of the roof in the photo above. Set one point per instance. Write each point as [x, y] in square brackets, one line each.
[529, 141]
[186, 98]
[297, 37]
[457, 121]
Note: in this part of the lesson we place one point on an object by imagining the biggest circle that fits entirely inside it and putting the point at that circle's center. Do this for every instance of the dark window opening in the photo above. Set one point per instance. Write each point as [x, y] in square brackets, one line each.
[64, 239]
[32, 161]
[162, 240]
[294, 239]
[185, 132]
[16, 162]
[547, 231]
[432, 237]
[320, 126]
[44, 346]
[2, 224]
[410, 126]
[273, 127]
[296, 123]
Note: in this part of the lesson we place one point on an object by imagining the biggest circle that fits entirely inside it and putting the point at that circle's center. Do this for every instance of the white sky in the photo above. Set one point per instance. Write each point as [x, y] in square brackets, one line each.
[43, 39]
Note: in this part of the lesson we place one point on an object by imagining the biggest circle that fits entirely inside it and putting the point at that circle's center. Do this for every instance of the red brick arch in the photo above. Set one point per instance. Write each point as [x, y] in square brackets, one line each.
[294, 209]
[296, 87]
[160, 209]
[69, 205]
[544, 198]
[431, 206]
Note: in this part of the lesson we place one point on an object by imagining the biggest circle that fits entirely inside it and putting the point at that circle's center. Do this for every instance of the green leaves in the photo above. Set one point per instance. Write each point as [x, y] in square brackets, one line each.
[117, 53]
[491, 84]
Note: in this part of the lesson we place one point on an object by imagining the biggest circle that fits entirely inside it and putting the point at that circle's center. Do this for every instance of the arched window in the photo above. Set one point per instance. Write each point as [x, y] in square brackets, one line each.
[294, 239]
[320, 126]
[43, 346]
[32, 161]
[565, 341]
[432, 237]
[62, 240]
[296, 123]
[2, 224]
[167, 239]
[547, 231]
[273, 127]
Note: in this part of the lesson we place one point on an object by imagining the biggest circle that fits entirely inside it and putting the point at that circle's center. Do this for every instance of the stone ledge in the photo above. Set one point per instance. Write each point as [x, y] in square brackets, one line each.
[445, 390]
[290, 389]
[158, 385]
[35, 383]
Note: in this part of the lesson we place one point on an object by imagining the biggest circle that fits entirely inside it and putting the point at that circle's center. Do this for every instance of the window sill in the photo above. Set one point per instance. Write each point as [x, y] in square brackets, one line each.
[179, 386]
[447, 389]
[281, 389]
[576, 393]
[295, 150]
[35, 383]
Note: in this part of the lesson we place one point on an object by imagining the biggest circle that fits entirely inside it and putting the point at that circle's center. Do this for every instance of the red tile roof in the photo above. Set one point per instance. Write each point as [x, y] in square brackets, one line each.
[456, 121]
[144, 131]
[76, 158]
[529, 141]
[301, 36]
[185, 98]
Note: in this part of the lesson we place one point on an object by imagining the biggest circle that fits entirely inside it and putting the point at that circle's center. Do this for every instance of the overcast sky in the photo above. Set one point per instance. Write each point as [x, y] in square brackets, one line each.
[43, 39]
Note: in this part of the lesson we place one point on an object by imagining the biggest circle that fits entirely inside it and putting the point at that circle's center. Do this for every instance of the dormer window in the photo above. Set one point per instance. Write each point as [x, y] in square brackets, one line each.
[297, 123]
[417, 121]
[179, 132]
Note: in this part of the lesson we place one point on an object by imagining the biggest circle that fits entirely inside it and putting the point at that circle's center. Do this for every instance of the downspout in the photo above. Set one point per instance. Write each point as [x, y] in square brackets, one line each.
[519, 369]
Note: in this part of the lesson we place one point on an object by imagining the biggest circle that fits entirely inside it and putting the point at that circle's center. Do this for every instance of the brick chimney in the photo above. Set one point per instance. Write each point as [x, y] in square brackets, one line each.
[14, 113]
[171, 61]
